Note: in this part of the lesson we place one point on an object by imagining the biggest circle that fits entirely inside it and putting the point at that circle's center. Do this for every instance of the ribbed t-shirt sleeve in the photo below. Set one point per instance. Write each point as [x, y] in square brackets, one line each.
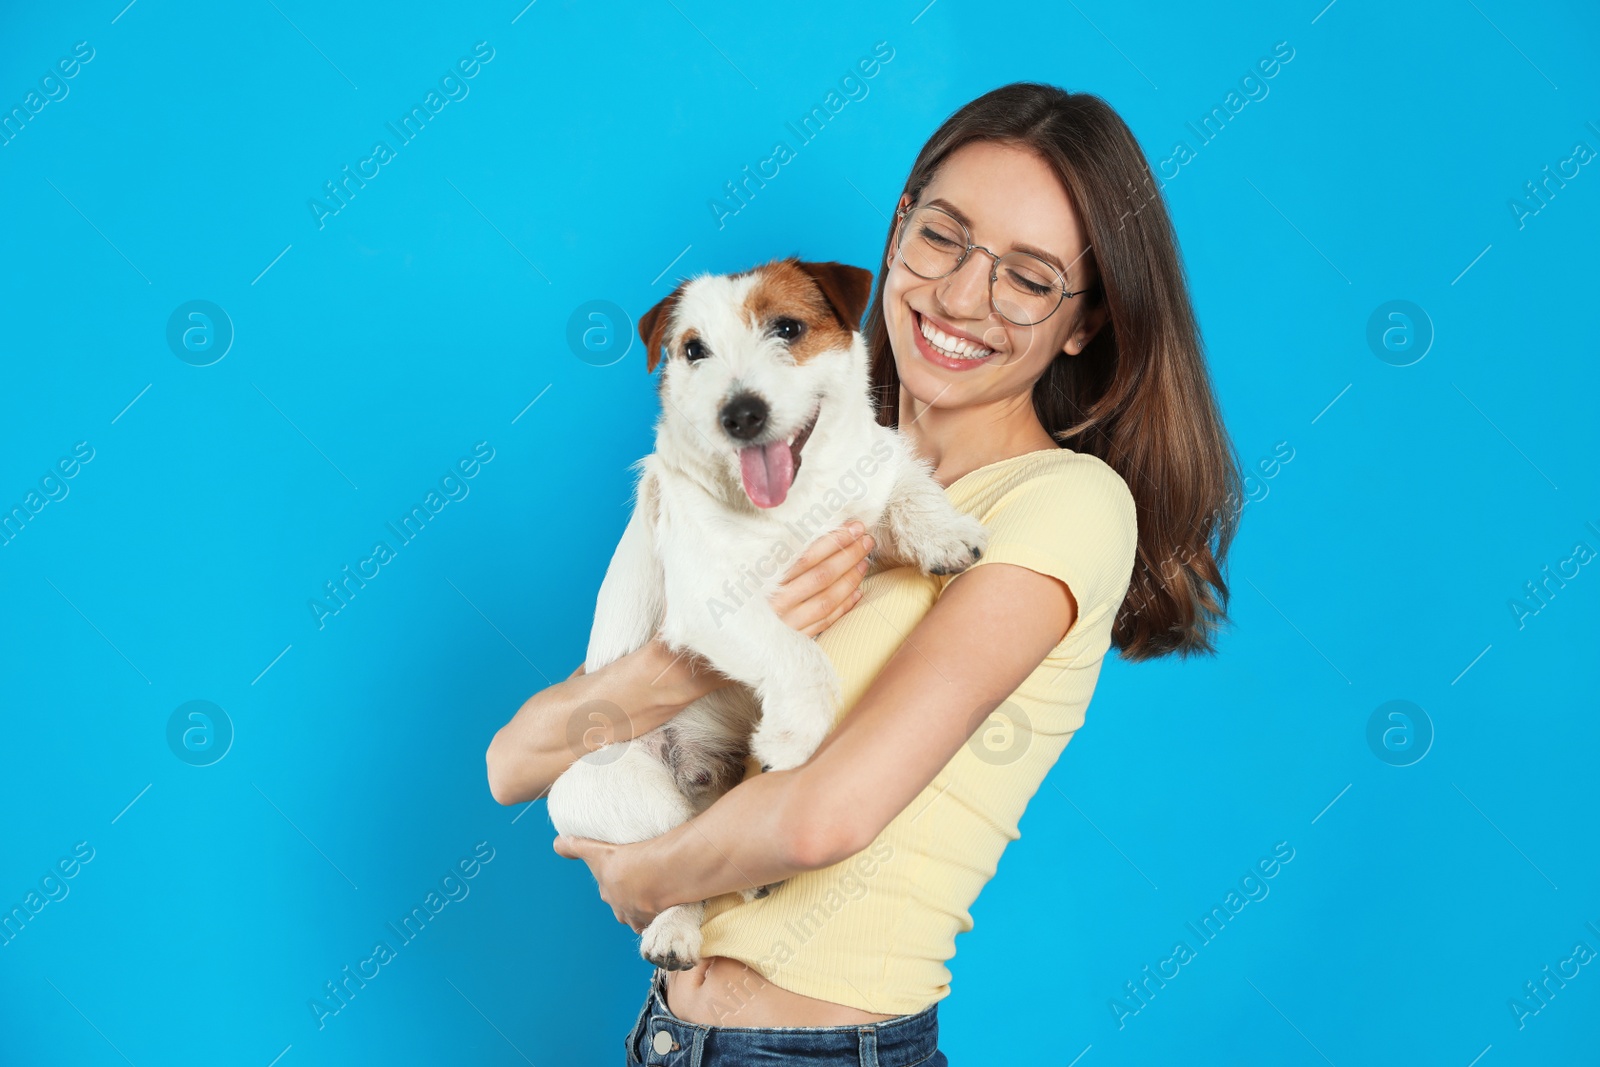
[1077, 524]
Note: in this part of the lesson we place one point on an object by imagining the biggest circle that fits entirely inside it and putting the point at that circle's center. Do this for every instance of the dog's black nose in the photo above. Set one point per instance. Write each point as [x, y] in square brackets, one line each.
[744, 416]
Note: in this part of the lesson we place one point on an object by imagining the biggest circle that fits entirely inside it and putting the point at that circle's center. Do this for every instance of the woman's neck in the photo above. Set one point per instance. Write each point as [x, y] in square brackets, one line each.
[958, 441]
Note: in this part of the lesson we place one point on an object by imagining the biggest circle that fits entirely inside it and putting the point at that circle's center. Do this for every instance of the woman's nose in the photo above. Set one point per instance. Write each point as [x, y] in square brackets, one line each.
[965, 290]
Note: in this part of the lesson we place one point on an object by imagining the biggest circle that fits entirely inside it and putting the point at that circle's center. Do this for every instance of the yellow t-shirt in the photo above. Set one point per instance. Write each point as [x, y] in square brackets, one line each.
[876, 930]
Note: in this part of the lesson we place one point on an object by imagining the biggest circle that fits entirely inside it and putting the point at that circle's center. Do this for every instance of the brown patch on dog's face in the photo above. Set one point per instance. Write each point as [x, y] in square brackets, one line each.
[825, 299]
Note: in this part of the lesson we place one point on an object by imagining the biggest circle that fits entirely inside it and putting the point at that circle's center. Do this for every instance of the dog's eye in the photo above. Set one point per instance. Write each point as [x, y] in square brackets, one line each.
[788, 329]
[694, 350]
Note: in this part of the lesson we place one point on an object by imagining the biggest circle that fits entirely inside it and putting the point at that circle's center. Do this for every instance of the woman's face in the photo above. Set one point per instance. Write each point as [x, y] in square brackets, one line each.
[1010, 200]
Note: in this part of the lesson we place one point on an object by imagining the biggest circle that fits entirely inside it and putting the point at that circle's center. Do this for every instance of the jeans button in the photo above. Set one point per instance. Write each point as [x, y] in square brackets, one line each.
[663, 1043]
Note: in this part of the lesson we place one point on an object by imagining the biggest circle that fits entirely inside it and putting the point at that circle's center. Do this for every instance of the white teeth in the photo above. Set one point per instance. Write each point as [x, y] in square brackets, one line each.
[953, 347]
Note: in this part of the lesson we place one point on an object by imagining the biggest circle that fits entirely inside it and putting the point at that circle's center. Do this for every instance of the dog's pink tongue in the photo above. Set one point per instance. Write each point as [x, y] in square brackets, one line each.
[768, 471]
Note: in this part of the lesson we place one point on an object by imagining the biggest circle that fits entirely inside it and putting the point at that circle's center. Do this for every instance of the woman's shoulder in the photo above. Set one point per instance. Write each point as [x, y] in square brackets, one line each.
[1077, 464]
[1061, 476]
[1062, 513]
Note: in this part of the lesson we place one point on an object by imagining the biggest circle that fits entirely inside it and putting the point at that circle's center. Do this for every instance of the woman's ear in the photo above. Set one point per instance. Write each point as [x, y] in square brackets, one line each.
[903, 205]
[1085, 331]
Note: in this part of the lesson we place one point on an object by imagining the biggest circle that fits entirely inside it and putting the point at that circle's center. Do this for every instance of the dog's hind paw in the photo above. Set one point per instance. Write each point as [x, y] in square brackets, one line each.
[672, 940]
[757, 892]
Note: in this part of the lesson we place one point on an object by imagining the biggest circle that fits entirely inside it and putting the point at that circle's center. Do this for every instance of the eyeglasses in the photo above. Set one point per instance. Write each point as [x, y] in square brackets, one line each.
[1024, 289]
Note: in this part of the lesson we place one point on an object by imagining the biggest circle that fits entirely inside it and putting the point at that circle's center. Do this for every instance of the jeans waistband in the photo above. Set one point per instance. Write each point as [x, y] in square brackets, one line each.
[904, 1041]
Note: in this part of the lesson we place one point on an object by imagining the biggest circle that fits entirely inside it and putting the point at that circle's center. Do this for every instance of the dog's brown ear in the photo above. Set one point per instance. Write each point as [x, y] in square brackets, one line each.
[847, 288]
[653, 327]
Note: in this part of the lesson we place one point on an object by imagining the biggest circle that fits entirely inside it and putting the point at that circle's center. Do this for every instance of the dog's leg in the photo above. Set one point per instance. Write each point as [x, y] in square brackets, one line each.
[624, 793]
[797, 711]
[632, 596]
[621, 793]
[925, 529]
[789, 673]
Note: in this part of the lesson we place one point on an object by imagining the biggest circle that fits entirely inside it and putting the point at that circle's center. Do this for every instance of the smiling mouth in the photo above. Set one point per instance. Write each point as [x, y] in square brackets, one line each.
[957, 348]
[768, 471]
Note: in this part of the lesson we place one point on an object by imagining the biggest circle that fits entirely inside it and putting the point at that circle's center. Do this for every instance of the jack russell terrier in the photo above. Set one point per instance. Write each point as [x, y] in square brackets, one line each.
[761, 367]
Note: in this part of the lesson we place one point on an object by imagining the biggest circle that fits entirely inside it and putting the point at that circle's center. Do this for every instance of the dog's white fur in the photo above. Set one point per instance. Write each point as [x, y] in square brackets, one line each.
[698, 560]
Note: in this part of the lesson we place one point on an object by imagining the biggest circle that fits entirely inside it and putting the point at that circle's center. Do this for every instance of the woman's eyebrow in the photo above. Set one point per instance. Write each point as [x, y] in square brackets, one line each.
[1032, 250]
[1048, 257]
[945, 205]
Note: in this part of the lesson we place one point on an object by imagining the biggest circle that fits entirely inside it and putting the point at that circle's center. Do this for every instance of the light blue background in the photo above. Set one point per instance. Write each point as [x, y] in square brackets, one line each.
[432, 310]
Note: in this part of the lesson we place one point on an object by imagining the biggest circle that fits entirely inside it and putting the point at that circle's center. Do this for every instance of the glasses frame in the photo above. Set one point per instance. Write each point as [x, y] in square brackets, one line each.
[1062, 292]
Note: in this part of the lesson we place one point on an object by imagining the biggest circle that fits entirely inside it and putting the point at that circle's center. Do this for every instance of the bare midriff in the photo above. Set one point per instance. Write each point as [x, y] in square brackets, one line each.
[721, 991]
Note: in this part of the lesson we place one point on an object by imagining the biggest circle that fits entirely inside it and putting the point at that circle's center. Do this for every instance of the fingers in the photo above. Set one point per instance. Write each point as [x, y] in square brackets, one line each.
[847, 562]
[823, 547]
[573, 848]
[844, 605]
[839, 591]
[842, 561]
[820, 586]
[822, 609]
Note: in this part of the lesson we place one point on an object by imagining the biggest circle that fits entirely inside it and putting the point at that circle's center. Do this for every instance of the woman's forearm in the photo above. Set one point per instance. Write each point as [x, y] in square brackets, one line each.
[757, 833]
[564, 722]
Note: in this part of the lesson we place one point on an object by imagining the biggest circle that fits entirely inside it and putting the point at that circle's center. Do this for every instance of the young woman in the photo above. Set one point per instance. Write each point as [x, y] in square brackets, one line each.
[1033, 337]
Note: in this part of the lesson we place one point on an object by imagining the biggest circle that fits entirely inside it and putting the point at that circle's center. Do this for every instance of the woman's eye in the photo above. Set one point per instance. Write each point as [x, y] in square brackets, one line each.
[1031, 285]
[934, 237]
[694, 350]
[787, 329]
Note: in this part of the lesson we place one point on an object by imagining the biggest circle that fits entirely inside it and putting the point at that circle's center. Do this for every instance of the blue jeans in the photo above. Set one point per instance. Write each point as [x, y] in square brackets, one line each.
[904, 1041]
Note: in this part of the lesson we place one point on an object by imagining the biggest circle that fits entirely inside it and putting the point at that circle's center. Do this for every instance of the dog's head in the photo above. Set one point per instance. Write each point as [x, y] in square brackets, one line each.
[752, 360]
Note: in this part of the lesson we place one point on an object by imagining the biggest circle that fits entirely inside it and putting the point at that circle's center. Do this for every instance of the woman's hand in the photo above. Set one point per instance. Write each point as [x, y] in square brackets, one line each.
[614, 867]
[824, 582]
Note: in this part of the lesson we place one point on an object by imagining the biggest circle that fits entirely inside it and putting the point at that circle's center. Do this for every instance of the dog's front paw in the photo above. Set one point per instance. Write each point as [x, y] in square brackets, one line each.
[672, 940]
[949, 548]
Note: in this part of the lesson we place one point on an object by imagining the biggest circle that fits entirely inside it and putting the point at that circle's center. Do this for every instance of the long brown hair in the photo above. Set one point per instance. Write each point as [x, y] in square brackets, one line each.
[1139, 395]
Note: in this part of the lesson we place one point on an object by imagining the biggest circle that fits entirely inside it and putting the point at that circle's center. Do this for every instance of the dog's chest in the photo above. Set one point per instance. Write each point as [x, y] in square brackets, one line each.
[695, 534]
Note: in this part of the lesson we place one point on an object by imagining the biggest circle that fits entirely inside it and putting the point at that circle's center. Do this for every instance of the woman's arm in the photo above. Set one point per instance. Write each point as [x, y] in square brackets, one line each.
[564, 722]
[643, 689]
[983, 637]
